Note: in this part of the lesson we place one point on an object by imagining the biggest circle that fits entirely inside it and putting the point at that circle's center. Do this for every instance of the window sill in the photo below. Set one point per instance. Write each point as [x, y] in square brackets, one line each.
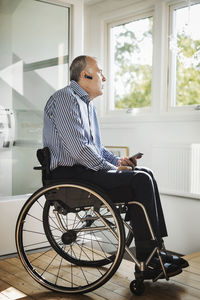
[179, 195]
[122, 118]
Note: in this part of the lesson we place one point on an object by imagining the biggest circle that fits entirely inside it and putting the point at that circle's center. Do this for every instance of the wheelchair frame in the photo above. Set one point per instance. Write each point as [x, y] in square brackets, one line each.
[76, 248]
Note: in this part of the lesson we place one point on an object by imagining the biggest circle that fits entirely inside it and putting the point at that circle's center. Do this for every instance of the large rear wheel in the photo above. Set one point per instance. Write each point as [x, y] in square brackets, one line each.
[64, 247]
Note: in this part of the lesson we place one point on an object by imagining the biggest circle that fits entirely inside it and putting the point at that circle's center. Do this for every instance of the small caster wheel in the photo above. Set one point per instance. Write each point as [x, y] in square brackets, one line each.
[137, 287]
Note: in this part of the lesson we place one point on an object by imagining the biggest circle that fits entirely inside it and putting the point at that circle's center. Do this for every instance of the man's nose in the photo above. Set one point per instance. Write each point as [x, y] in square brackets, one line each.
[103, 78]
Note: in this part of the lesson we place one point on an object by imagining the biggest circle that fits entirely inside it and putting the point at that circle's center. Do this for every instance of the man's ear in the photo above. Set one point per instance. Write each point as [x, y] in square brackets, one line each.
[82, 75]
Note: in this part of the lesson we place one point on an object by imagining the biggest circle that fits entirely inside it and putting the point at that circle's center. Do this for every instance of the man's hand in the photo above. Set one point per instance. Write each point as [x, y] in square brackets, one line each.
[124, 168]
[125, 161]
[130, 161]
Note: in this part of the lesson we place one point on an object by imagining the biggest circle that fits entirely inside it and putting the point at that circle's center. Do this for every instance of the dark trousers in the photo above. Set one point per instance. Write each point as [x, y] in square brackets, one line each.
[137, 185]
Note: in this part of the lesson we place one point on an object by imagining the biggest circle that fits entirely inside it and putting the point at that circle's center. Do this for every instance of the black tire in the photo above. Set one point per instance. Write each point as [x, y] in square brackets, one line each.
[137, 287]
[43, 257]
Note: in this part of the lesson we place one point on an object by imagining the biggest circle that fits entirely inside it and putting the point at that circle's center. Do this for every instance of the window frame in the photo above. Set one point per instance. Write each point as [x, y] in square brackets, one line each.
[159, 109]
[171, 99]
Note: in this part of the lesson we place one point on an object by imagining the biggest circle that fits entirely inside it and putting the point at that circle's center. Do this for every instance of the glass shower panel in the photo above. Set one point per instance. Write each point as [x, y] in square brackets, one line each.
[34, 57]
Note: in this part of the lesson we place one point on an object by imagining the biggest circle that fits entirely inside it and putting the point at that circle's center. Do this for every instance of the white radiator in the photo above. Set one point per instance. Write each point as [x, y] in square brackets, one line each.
[177, 169]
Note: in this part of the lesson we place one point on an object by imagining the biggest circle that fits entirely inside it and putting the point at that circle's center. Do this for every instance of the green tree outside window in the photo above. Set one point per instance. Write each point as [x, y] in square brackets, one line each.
[131, 71]
[187, 35]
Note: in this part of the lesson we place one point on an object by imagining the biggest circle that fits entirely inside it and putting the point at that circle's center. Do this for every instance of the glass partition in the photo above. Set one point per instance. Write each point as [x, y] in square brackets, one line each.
[34, 57]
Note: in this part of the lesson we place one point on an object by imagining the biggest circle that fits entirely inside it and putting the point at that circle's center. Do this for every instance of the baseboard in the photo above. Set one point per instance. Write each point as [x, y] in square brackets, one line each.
[8, 255]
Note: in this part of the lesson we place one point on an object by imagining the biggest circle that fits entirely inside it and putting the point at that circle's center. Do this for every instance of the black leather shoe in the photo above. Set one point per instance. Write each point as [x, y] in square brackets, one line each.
[174, 259]
[153, 272]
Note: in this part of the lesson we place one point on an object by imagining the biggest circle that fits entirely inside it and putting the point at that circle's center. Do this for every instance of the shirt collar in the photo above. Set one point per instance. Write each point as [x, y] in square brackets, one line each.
[79, 91]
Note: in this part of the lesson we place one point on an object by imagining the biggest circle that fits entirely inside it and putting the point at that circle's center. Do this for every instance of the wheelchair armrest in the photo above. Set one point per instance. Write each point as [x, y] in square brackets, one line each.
[38, 168]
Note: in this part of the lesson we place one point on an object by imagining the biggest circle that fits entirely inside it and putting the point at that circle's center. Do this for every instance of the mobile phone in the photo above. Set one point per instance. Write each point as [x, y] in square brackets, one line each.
[137, 155]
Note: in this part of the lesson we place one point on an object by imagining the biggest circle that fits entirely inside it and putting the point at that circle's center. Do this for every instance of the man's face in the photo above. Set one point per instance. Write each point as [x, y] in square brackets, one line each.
[96, 84]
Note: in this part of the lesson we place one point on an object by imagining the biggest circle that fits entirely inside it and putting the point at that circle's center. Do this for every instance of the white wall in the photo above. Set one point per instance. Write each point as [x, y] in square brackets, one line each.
[9, 209]
[183, 223]
[140, 133]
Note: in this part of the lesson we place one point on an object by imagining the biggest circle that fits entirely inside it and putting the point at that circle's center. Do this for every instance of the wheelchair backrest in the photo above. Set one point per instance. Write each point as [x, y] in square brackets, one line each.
[44, 158]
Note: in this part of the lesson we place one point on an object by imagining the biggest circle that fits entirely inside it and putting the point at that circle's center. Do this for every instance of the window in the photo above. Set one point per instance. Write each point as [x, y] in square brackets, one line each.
[34, 56]
[185, 56]
[131, 51]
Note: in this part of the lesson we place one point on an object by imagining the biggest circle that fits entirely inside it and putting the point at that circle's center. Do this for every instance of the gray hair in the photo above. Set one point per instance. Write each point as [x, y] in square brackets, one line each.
[77, 66]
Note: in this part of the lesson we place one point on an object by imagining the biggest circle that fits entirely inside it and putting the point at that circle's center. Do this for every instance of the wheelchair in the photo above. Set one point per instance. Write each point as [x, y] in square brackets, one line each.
[71, 237]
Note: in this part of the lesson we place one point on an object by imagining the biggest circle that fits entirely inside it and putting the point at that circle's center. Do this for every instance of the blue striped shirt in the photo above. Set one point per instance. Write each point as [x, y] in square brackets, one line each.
[71, 131]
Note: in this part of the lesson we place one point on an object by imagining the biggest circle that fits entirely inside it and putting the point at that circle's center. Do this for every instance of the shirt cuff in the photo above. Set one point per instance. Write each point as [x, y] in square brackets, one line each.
[108, 166]
[115, 161]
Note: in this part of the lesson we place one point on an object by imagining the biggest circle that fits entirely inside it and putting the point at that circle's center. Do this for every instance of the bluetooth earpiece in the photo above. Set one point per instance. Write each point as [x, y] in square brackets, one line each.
[88, 77]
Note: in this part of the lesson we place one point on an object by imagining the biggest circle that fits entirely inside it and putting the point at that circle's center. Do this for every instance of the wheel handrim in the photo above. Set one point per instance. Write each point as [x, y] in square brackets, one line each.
[34, 254]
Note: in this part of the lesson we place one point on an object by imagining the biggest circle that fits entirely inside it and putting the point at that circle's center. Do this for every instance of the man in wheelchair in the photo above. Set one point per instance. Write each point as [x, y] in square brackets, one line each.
[71, 133]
